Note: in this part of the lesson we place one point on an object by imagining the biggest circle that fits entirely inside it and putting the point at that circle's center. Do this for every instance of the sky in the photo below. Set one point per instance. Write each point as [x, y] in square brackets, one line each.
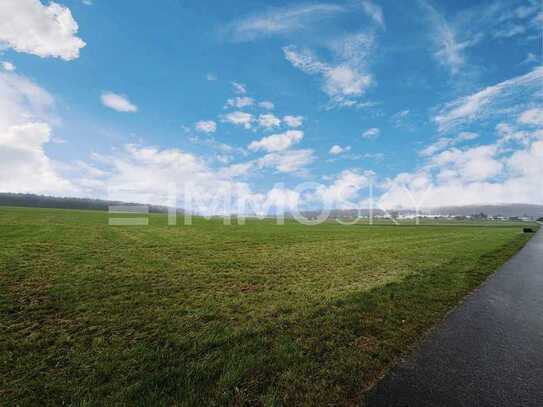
[256, 106]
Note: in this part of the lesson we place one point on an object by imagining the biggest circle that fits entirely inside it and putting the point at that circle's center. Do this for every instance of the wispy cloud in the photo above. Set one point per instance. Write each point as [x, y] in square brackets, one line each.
[280, 21]
[305, 60]
[513, 93]
[453, 35]
[226, 150]
[531, 58]
[266, 104]
[446, 142]
[239, 88]
[345, 79]
[374, 11]
[500, 19]
[449, 50]
[510, 31]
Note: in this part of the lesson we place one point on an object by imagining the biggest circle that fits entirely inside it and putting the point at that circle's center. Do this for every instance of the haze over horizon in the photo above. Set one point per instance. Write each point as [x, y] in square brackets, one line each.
[432, 103]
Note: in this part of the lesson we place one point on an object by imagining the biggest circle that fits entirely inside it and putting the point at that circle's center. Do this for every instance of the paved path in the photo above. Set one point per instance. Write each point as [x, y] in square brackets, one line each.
[487, 352]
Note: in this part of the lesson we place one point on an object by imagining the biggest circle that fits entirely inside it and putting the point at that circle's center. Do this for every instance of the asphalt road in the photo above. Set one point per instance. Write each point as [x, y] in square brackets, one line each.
[487, 352]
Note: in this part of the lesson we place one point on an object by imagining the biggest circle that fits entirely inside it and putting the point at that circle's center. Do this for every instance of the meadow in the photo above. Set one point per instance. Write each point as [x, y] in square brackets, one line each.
[208, 314]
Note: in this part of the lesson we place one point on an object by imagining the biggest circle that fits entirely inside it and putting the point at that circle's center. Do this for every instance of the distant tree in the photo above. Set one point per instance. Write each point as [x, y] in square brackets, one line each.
[43, 201]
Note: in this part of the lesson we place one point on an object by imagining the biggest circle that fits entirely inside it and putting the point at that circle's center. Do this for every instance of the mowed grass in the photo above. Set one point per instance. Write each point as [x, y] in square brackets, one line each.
[255, 314]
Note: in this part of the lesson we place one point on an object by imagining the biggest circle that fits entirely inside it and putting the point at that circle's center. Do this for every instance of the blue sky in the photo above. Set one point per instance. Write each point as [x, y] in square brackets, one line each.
[432, 102]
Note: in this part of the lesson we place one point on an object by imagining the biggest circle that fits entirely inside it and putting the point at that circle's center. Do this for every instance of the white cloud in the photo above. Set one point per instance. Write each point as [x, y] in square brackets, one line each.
[211, 77]
[371, 134]
[117, 102]
[268, 120]
[481, 104]
[47, 31]
[277, 142]
[293, 121]
[480, 175]
[266, 104]
[239, 88]
[280, 21]
[474, 164]
[528, 163]
[25, 128]
[337, 149]
[22, 101]
[24, 166]
[374, 11]
[344, 82]
[206, 126]
[289, 161]
[239, 118]
[532, 116]
[8, 66]
[240, 102]
[343, 192]
[142, 174]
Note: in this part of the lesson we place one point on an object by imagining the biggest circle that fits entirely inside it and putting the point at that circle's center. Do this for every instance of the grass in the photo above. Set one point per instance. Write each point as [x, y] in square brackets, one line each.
[222, 315]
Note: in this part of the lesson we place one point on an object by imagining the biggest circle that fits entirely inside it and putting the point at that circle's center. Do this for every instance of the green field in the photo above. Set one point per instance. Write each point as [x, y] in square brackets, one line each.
[209, 314]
